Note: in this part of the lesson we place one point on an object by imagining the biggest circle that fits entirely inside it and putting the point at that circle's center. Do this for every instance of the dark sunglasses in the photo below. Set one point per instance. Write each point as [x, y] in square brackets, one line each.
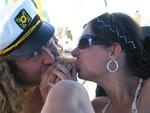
[89, 40]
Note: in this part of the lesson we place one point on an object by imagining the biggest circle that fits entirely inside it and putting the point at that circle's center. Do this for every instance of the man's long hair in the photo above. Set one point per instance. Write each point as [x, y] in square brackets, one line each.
[10, 101]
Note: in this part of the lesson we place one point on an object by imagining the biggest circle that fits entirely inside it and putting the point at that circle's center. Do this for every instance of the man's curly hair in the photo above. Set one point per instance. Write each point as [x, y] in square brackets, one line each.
[10, 100]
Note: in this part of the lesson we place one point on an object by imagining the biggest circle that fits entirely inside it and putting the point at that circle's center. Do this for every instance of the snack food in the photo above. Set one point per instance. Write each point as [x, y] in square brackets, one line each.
[65, 60]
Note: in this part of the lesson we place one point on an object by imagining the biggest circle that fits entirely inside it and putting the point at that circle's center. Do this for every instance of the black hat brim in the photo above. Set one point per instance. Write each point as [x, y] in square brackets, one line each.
[36, 41]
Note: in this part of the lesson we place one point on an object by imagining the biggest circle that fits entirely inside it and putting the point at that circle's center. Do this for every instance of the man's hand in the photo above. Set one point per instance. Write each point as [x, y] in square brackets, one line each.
[54, 74]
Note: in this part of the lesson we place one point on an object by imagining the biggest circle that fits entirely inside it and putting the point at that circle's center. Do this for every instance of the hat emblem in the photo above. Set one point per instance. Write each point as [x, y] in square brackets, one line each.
[23, 19]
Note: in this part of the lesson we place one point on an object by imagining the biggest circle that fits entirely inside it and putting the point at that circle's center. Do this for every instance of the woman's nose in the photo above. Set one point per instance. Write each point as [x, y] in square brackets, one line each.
[48, 57]
[75, 52]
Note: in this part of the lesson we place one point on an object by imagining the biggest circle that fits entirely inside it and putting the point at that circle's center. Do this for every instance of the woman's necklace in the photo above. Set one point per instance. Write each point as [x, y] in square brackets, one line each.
[106, 106]
[137, 93]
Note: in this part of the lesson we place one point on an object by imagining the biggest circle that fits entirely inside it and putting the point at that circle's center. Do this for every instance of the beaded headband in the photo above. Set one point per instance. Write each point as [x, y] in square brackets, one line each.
[111, 23]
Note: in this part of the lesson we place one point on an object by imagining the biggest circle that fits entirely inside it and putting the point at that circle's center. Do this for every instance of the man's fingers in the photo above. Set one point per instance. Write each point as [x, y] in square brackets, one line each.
[59, 74]
[57, 80]
[51, 84]
[64, 70]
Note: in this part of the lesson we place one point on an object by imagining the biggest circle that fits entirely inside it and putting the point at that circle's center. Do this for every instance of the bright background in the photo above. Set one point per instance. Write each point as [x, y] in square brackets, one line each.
[71, 15]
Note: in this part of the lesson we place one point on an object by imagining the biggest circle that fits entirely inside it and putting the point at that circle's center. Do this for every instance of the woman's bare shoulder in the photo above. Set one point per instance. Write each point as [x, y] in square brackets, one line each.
[99, 103]
[145, 89]
[146, 86]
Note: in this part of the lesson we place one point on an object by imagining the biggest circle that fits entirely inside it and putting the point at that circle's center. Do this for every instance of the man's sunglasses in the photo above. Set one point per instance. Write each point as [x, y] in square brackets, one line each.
[89, 40]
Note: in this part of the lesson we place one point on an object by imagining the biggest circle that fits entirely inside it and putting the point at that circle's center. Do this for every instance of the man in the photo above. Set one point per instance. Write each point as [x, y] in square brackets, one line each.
[27, 56]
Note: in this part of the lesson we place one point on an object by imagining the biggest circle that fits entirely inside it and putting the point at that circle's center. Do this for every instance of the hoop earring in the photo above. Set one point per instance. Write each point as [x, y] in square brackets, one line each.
[108, 66]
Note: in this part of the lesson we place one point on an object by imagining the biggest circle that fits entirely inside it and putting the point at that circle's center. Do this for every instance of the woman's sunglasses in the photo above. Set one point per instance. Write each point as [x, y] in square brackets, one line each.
[89, 40]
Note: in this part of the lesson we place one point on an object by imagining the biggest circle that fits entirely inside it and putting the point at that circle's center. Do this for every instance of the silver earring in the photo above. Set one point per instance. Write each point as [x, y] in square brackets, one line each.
[108, 66]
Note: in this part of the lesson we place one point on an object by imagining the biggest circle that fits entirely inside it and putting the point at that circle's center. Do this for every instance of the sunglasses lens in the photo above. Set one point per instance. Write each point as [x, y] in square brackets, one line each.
[88, 40]
[84, 43]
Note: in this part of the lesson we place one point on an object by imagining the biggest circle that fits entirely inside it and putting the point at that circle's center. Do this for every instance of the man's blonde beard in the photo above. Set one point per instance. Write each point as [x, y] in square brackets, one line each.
[10, 100]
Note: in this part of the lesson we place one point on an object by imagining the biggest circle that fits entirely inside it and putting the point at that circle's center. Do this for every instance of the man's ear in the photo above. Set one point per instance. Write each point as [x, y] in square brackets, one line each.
[115, 50]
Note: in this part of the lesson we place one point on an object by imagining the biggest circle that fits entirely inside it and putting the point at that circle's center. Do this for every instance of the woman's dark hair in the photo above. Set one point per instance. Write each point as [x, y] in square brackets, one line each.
[146, 33]
[121, 28]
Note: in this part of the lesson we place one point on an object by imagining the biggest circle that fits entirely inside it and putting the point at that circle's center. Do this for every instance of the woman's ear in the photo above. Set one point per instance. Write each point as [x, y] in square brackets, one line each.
[115, 50]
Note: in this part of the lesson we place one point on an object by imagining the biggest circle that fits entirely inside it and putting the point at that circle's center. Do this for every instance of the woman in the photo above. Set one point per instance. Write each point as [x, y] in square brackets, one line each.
[111, 53]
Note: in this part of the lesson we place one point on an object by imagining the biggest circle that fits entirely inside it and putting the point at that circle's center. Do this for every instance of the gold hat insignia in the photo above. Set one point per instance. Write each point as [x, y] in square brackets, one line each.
[23, 19]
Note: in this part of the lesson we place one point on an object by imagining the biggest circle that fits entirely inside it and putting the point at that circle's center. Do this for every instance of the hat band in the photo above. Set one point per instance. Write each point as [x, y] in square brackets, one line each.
[18, 42]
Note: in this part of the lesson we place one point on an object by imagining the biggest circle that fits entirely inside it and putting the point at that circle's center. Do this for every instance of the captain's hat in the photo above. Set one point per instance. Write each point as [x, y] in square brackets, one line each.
[21, 30]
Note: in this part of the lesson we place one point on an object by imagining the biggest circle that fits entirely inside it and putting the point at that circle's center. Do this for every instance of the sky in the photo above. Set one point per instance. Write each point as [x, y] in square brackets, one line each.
[72, 12]
[81, 11]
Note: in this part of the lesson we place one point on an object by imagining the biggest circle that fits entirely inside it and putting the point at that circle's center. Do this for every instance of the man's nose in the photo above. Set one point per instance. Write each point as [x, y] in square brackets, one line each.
[48, 57]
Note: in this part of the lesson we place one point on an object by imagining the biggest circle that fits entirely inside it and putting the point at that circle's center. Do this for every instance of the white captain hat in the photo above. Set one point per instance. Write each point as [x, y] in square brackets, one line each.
[22, 32]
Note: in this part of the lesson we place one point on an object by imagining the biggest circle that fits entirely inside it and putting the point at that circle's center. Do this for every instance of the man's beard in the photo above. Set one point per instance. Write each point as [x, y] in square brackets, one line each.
[23, 81]
[21, 78]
